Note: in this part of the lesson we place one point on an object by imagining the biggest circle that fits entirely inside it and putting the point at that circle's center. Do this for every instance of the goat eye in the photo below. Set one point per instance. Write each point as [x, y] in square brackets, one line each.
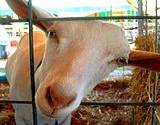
[52, 34]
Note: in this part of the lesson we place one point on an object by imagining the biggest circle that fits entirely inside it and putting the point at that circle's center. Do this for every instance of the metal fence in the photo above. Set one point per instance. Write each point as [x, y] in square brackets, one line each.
[30, 20]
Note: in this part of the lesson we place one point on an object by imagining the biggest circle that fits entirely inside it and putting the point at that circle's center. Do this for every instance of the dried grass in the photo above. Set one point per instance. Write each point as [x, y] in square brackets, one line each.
[109, 91]
[6, 110]
[142, 84]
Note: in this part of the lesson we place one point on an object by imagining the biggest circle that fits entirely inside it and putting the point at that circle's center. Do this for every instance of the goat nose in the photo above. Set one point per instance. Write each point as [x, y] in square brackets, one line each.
[57, 99]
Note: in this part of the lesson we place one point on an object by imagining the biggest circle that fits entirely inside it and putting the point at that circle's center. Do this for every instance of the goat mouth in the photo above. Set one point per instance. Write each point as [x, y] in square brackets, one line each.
[45, 112]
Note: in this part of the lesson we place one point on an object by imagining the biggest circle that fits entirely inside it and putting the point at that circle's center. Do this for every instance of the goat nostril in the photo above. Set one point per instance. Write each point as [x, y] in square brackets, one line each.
[49, 97]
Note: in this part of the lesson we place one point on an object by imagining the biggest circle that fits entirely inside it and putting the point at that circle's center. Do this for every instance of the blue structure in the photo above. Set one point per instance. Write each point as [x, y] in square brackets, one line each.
[4, 38]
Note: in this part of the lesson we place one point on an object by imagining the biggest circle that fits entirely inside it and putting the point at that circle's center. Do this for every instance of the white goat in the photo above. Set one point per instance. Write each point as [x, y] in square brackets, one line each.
[74, 60]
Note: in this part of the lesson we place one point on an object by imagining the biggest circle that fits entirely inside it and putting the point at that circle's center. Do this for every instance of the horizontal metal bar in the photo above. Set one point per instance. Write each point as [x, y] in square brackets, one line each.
[95, 18]
[94, 103]
[17, 102]
[79, 18]
[120, 104]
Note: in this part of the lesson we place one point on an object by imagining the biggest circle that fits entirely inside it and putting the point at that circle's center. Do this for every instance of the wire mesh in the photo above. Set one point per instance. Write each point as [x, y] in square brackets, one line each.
[30, 20]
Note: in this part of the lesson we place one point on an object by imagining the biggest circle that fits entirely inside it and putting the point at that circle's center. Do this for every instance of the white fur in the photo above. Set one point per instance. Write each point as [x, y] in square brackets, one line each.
[80, 59]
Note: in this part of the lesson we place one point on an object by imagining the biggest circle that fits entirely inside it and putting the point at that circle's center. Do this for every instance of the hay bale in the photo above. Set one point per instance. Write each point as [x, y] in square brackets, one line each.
[142, 83]
[6, 110]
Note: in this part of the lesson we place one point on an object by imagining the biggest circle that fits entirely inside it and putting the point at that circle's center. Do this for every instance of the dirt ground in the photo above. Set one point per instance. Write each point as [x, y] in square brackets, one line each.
[106, 91]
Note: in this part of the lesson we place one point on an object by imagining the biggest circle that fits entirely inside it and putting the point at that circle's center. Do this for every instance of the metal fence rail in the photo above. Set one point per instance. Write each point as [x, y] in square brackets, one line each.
[79, 18]
[30, 21]
[31, 53]
[94, 103]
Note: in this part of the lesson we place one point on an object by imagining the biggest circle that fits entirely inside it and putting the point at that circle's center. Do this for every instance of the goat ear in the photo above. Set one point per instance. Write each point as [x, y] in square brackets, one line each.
[143, 59]
[20, 7]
